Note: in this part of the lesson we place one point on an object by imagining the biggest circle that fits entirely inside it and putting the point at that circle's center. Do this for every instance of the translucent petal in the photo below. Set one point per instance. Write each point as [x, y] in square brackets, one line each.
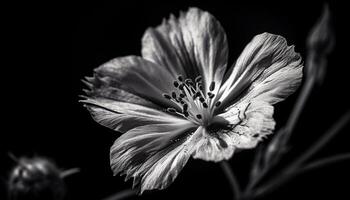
[193, 44]
[267, 69]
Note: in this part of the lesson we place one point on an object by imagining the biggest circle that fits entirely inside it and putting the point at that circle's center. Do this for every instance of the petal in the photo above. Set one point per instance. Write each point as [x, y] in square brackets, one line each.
[214, 147]
[249, 123]
[153, 154]
[268, 69]
[131, 79]
[122, 116]
[194, 44]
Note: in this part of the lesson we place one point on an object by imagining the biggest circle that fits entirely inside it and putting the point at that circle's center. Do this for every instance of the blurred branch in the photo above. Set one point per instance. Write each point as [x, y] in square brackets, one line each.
[232, 179]
[289, 175]
[122, 195]
[69, 172]
[322, 141]
[320, 43]
[324, 162]
[295, 168]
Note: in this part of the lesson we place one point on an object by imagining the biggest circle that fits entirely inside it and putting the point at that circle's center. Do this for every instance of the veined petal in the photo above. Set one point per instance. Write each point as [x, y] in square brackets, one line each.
[214, 147]
[249, 123]
[194, 44]
[132, 79]
[267, 68]
[122, 116]
[153, 154]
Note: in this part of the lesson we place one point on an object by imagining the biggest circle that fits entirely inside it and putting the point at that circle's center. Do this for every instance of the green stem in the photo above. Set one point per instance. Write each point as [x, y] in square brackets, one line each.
[232, 179]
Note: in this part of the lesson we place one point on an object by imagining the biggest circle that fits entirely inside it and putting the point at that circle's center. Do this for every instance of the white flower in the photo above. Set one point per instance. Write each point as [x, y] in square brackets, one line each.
[179, 100]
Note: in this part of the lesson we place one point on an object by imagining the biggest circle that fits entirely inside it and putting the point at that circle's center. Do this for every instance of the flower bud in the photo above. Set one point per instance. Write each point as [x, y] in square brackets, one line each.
[320, 43]
[35, 178]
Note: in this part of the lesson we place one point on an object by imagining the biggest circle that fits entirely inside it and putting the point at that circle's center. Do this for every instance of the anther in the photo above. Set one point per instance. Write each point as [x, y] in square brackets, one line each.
[217, 104]
[176, 84]
[212, 86]
[166, 96]
[185, 107]
[199, 116]
[200, 87]
[181, 95]
[211, 95]
[188, 82]
[198, 79]
[181, 86]
[205, 105]
[201, 99]
[172, 110]
[180, 78]
[173, 94]
[186, 113]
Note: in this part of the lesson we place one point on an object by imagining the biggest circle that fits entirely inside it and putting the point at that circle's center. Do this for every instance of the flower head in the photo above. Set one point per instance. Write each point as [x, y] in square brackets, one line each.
[179, 100]
[35, 178]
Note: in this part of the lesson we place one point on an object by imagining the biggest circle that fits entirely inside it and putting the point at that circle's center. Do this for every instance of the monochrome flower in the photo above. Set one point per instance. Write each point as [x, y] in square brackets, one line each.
[180, 100]
[35, 178]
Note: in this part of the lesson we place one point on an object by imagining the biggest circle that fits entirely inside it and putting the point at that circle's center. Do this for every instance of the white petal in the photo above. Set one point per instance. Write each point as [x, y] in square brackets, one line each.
[267, 70]
[250, 123]
[122, 116]
[153, 155]
[214, 147]
[194, 44]
[132, 79]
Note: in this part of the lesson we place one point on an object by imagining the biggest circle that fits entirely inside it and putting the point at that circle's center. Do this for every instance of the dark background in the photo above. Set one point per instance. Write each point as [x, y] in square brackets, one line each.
[49, 48]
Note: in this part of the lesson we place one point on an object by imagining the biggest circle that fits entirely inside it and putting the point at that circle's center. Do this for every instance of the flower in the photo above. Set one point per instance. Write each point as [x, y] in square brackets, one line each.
[35, 178]
[179, 100]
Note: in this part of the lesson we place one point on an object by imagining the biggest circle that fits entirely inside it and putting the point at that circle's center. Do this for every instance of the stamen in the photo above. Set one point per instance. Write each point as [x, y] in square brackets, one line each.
[199, 116]
[197, 94]
[205, 105]
[211, 95]
[212, 86]
[166, 96]
[181, 86]
[172, 110]
[180, 78]
[198, 79]
[185, 97]
[189, 82]
[186, 114]
[185, 107]
[200, 87]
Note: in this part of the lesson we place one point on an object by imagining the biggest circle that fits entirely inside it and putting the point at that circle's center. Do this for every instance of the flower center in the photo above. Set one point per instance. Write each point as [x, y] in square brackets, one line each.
[191, 100]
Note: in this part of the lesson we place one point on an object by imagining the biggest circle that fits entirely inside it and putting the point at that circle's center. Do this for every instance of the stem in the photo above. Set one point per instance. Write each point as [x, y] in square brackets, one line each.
[69, 172]
[232, 179]
[322, 141]
[324, 162]
[286, 176]
[299, 106]
[289, 127]
[121, 195]
[295, 166]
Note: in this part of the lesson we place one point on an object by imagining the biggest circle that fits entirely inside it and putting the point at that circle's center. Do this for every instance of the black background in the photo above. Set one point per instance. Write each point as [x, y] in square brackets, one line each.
[49, 48]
